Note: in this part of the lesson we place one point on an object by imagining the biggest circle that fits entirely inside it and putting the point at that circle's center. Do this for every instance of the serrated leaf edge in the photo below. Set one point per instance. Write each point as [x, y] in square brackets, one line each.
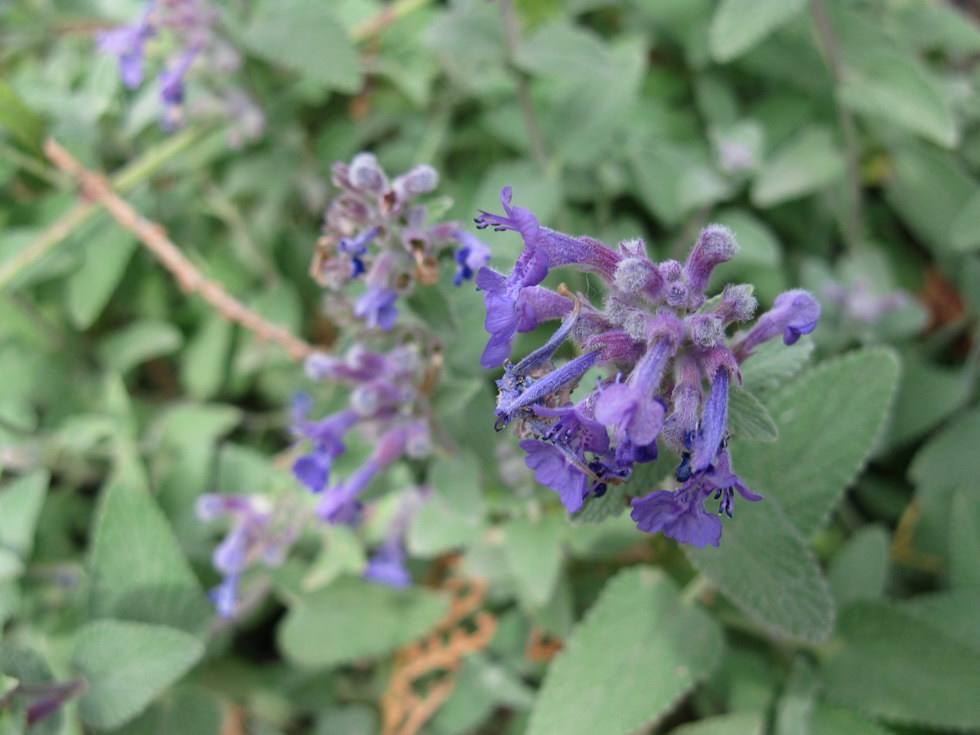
[810, 373]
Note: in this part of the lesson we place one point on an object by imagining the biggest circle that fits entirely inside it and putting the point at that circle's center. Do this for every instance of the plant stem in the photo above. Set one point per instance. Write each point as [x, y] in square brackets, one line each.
[853, 228]
[125, 180]
[154, 238]
[512, 34]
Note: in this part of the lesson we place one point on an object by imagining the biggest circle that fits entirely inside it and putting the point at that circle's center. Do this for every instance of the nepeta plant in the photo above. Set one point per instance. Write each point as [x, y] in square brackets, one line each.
[377, 246]
[662, 339]
[187, 31]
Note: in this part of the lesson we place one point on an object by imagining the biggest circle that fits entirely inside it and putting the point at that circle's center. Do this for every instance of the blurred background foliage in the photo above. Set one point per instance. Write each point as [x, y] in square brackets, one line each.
[840, 139]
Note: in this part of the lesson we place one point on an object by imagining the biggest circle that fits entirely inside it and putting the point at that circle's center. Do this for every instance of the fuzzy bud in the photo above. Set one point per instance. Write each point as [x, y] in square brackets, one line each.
[420, 180]
[670, 270]
[419, 442]
[631, 275]
[705, 330]
[676, 294]
[715, 245]
[365, 173]
[737, 304]
[633, 248]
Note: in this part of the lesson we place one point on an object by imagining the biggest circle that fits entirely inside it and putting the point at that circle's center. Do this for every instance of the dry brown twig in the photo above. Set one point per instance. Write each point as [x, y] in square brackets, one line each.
[154, 238]
[408, 704]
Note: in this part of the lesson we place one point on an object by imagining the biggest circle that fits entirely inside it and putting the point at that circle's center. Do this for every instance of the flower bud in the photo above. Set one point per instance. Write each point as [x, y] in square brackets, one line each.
[365, 173]
[715, 245]
[737, 304]
[705, 330]
[420, 180]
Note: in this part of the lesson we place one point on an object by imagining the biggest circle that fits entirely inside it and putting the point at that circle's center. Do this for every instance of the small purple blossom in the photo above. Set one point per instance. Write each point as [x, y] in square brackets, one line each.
[793, 314]
[261, 531]
[127, 44]
[387, 566]
[471, 257]
[555, 469]
[681, 514]
[376, 307]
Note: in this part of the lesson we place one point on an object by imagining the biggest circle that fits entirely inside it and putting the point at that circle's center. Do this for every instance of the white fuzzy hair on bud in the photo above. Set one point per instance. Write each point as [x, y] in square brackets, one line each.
[632, 274]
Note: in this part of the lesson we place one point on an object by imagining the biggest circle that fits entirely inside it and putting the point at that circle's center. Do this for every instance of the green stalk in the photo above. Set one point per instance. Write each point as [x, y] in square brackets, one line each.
[126, 179]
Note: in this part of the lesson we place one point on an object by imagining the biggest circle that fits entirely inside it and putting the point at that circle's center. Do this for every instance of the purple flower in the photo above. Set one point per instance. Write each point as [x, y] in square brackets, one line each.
[376, 307]
[505, 300]
[714, 423]
[225, 596]
[126, 43]
[715, 245]
[679, 515]
[340, 504]
[546, 386]
[631, 408]
[313, 469]
[172, 78]
[356, 248]
[793, 314]
[387, 566]
[555, 469]
[471, 257]
[553, 249]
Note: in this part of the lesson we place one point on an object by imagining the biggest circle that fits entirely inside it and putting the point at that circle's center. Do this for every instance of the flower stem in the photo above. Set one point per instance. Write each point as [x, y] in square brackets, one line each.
[854, 217]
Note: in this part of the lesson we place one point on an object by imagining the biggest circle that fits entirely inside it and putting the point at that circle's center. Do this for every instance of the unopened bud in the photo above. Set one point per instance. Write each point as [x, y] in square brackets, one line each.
[365, 173]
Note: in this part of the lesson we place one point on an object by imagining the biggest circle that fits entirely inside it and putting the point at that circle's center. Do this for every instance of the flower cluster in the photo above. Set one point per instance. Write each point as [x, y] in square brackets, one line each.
[662, 339]
[386, 406]
[261, 531]
[190, 25]
[376, 231]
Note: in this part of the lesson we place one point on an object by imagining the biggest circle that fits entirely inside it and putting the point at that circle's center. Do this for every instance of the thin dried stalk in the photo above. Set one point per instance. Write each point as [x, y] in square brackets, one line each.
[408, 703]
[154, 238]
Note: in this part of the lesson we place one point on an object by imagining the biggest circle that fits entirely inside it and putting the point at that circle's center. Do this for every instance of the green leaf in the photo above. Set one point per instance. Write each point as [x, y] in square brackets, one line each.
[953, 613]
[20, 506]
[481, 687]
[859, 571]
[737, 723]
[764, 566]
[829, 719]
[206, 357]
[772, 364]
[895, 88]
[126, 665]
[106, 252]
[749, 419]
[829, 420]
[927, 394]
[138, 343]
[738, 25]
[964, 232]
[19, 119]
[353, 619]
[808, 163]
[927, 190]
[950, 459]
[453, 514]
[638, 650]
[306, 37]
[894, 666]
[138, 570]
[964, 538]
[534, 554]
[886, 82]
[185, 711]
[794, 710]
